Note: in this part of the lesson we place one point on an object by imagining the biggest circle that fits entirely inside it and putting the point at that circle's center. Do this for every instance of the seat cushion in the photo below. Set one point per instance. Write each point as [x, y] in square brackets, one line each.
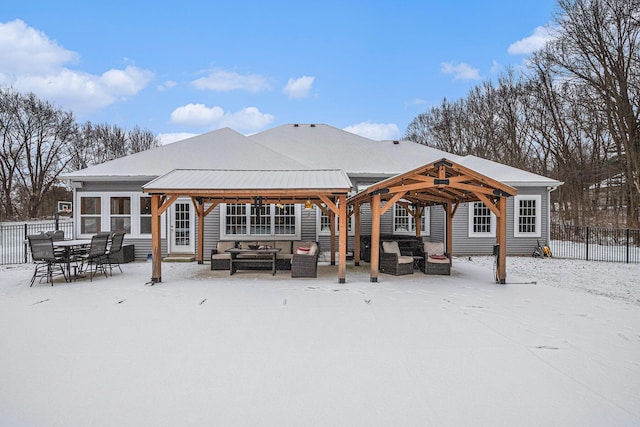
[405, 259]
[221, 256]
[438, 260]
[224, 245]
[391, 248]
[434, 248]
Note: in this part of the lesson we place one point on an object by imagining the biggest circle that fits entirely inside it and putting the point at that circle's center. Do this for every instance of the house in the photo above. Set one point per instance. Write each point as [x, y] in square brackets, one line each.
[109, 196]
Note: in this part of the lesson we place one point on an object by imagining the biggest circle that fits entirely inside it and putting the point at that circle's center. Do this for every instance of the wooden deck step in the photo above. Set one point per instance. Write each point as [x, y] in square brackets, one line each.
[179, 258]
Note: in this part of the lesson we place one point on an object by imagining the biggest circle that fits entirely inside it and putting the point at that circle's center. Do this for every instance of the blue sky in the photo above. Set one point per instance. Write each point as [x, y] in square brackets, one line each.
[180, 69]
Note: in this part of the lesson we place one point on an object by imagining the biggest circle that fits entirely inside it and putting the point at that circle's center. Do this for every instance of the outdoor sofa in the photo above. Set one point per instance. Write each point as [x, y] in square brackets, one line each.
[292, 255]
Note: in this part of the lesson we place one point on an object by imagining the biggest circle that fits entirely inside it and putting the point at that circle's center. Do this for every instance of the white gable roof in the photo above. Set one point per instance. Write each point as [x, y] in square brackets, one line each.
[220, 149]
[321, 146]
[295, 147]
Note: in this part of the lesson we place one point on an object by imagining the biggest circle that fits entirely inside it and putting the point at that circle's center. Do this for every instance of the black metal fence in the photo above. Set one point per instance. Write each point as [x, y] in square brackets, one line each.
[595, 243]
[13, 238]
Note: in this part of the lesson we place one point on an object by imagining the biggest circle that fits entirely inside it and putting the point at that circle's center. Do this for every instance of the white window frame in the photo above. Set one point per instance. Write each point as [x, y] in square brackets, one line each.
[351, 224]
[105, 209]
[426, 223]
[249, 236]
[516, 216]
[492, 222]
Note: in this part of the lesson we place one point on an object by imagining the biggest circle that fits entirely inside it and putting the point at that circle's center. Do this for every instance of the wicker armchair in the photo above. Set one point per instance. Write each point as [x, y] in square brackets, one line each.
[305, 264]
[436, 260]
[392, 261]
[221, 260]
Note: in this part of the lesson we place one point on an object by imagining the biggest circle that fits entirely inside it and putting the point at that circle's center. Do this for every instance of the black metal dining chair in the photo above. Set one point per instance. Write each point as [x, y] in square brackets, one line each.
[48, 264]
[96, 256]
[113, 252]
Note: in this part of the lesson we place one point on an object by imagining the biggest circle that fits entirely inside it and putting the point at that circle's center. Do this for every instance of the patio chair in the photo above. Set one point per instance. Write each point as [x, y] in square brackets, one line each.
[392, 261]
[436, 260]
[304, 260]
[113, 252]
[48, 264]
[96, 256]
[220, 259]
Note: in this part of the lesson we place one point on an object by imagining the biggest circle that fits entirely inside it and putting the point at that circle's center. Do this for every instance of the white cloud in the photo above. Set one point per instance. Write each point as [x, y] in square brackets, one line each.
[247, 119]
[168, 138]
[375, 131]
[24, 49]
[226, 81]
[536, 41]
[300, 87]
[460, 71]
[33, 63]
[196, 115]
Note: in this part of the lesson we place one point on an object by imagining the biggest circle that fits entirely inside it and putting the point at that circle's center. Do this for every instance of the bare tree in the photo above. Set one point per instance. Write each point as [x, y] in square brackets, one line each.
[597, 44]
[98, 143]
[10, 151]
[42, 133]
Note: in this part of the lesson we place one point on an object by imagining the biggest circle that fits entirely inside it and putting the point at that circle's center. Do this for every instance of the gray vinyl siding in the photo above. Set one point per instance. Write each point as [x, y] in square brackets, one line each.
[463, 244]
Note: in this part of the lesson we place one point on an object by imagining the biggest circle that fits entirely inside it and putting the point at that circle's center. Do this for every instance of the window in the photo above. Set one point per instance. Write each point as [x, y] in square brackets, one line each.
[404, 223]
[267, 220]
[260, 219]
[90, 215]
[285, 219]
[482, 223]
[236, 219]
[527, 216]
[115, 211]
[324, 225]
[145, 215]
[120, 214]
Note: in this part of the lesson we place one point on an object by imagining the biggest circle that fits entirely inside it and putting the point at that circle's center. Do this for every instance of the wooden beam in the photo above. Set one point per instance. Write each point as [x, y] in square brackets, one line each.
[167, 202]
[329, 203]
[156, 247]
[342, 245]
[449, 228]
[501, 238]
[375, 237]
[332, 243]
[356, 241]
[489, 203]
[391, 202]
[200, 213]
[211, 207]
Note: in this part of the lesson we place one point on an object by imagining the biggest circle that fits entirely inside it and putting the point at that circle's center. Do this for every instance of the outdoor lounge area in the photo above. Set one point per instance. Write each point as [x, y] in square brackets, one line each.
[300, 257]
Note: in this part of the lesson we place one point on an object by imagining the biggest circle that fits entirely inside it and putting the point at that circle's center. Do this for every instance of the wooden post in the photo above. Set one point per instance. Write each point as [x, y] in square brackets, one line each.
[375, 237]
[156, 247]
[332, 244]
[501, 238]
[342, 245]
[448, 208]
[200, 213]
[356, 242]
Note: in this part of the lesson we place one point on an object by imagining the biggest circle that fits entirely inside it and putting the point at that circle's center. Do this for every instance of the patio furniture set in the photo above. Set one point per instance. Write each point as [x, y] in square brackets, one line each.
[430, 258]
[299, 257]
[55, 256]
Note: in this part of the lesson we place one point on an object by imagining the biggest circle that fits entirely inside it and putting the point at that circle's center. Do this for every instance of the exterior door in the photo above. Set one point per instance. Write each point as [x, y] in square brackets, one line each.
[182, 228]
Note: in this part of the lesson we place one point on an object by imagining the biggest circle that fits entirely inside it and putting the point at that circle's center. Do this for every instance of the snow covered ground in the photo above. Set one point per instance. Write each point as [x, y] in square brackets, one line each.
[203, 348]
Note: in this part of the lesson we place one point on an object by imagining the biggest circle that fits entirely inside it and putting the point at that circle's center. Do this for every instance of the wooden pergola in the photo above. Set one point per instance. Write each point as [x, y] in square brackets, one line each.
[327, 189]
[442, 182]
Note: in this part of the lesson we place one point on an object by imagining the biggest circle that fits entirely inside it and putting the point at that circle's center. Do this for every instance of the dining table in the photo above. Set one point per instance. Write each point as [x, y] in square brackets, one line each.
[70, 247]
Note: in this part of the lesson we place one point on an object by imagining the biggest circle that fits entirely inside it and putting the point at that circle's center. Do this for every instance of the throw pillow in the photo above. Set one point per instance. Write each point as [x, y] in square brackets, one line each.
[303, 251]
